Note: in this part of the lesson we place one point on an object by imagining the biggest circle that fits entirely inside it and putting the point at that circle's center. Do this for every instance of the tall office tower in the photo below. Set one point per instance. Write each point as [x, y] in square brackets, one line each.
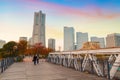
[100, 40]
[39, 28]
[113, 40]
[68, 38]
[2, 42]
[81, 38]
[23, 38]
[51, 43]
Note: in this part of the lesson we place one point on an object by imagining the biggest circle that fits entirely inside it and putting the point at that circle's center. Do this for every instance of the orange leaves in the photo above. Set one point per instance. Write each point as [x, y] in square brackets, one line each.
[38, 49]
[22, 46]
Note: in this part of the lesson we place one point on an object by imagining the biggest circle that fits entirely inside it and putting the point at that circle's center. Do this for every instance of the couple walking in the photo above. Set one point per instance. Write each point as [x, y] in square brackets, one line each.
[36, 59]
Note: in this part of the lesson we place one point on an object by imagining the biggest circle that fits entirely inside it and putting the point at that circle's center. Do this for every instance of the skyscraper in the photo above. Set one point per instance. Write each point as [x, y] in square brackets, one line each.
[113, 40]
[68, 38]
[81, 38]
[39, 28]
[100, 40]
[51, 43]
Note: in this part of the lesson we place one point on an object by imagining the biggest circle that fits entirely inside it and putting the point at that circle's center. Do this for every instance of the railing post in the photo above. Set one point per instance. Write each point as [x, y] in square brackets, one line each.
[81, 68]
[103, 61]
[92, 70]
[2, 66]
[108, 70]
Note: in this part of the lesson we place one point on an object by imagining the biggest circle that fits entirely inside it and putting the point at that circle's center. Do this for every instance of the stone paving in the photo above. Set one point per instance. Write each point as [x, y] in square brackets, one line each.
[44, 71]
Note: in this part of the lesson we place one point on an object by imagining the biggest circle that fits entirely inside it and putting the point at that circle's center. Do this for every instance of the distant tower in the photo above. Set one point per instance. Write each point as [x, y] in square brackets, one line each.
[81, 38]
[39, 28]
[51, 43]
[68, 38]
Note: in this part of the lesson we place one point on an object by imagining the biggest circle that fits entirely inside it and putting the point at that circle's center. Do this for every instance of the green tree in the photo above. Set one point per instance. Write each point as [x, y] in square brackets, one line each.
[9, 48]
[1, 53]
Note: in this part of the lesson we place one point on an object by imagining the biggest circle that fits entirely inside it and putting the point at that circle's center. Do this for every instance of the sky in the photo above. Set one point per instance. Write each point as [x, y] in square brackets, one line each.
[97, 17]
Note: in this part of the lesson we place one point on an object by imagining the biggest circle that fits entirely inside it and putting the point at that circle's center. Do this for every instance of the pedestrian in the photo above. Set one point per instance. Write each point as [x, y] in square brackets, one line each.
[35, 59]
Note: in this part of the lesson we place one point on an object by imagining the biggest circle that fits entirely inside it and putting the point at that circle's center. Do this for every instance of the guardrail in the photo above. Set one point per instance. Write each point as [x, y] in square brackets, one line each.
[83, 59]
[5, 63]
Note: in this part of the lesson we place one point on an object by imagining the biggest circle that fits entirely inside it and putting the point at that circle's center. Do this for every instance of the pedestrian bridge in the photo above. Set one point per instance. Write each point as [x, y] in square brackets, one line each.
[43, 71]
[83, 60]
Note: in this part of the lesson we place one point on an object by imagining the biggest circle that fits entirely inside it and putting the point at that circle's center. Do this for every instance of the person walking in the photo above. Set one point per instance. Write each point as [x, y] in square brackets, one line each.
[35, 59]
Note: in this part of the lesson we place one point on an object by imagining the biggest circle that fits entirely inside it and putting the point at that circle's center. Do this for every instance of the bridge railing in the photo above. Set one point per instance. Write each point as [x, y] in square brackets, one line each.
[5, 63]
[89, 62]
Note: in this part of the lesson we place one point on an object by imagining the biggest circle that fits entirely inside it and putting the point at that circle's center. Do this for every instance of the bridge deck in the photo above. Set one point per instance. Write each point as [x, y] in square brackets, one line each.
[44, 71]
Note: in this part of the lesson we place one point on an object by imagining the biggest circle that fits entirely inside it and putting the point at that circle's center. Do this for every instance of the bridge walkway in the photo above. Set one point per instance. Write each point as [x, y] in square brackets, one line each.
[44, 71]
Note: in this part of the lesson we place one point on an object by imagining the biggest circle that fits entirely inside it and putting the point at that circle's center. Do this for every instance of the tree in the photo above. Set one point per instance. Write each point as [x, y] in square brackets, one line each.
[9, 48]
[1, 53]
[38, 48]
[22, 47]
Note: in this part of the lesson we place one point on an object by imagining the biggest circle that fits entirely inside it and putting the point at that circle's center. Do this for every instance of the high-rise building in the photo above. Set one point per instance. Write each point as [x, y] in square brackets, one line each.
[81, 38]
[68, 38]
[100, 40]
[23, 38]
[51, 43]
[113, 40]
[39, 28]
[2, 42]
[30, 42]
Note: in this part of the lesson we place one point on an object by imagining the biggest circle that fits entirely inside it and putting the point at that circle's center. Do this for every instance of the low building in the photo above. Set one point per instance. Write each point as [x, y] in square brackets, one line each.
[23, 38]
[2, 42]
[113, 40]
[100, 40]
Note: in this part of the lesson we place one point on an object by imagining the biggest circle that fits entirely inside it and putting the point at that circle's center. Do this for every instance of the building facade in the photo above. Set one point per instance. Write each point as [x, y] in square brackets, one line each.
[30, 42]
[39, 28]
[68, 38]
[51, 43]
[2, 42]
[23, 38]
[113, 40]
[100, 40]
[81, 38]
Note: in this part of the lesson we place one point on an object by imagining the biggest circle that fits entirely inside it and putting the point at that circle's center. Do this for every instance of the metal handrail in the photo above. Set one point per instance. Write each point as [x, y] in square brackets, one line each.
[5, 63]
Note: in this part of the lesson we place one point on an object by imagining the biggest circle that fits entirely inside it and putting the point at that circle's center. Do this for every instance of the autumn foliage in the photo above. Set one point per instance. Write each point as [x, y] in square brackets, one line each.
[90, 46]
[39, 49]
[21, 48]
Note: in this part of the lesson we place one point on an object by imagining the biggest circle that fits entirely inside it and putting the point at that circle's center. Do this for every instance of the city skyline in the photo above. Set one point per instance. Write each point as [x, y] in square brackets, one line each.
[97, 17]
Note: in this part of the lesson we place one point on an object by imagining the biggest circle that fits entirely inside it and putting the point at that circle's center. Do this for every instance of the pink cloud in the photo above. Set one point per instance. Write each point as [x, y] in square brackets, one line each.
[90, 11]
[103, 13]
